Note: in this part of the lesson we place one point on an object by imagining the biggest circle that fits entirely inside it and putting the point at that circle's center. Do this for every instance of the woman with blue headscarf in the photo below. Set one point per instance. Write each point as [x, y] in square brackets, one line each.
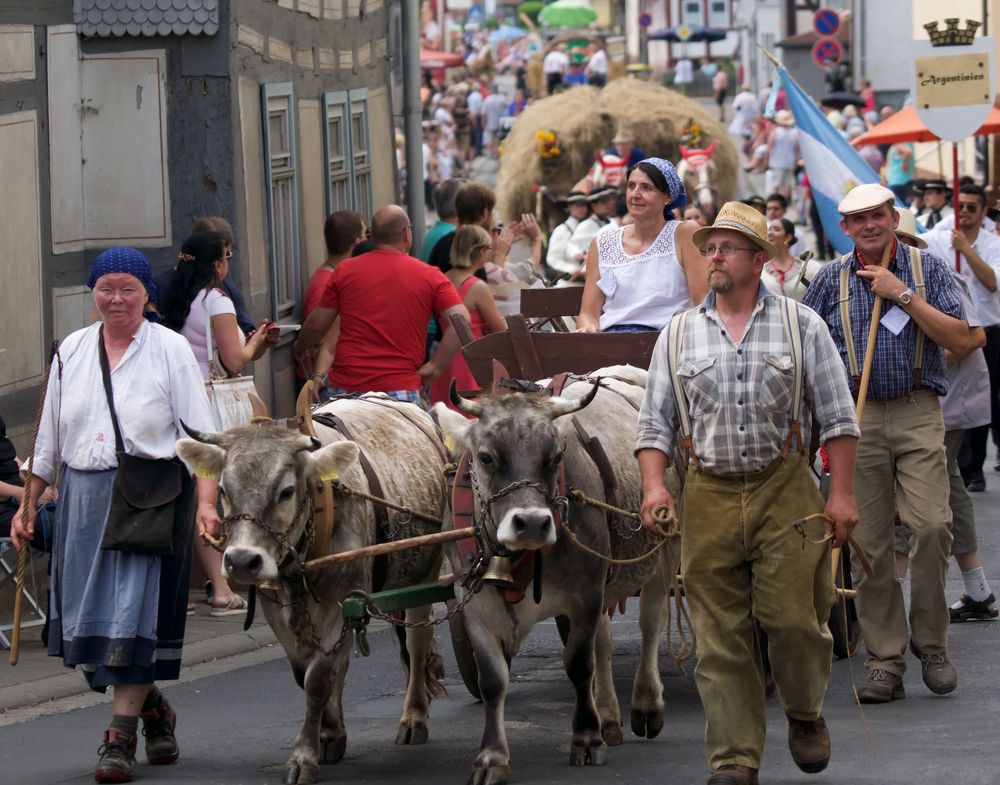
[641, 274]
[119, 615]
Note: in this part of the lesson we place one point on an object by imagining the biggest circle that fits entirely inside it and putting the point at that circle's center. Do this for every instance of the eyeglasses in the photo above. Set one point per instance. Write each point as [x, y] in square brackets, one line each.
[728, 250]
[968, 207]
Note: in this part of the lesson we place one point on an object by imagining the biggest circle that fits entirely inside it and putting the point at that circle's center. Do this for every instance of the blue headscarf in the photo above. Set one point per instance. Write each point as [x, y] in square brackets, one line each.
[675, 188]
[124, 260]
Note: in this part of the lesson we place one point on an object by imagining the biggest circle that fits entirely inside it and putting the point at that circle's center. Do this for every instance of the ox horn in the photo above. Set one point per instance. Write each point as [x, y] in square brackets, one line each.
[463, 404]
[562, 406]
[205, 437]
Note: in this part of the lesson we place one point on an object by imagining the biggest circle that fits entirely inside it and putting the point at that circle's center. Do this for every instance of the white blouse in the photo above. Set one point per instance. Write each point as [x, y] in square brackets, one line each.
[645, 288]
[156, 384]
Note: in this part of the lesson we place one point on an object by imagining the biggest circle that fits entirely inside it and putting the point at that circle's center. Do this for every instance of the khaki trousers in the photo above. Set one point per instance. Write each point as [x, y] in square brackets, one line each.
[901, 464]
[742, 560]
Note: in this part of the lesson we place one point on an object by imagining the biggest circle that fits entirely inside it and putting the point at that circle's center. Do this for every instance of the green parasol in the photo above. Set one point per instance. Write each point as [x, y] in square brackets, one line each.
[568, 13]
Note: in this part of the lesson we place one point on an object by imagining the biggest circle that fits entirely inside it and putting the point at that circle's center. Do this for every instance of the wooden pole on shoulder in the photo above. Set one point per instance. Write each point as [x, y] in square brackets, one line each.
[866, 373]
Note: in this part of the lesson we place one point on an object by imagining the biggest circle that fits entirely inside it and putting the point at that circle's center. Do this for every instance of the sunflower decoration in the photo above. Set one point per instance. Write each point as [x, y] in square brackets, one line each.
[547, 145]
[691, 136]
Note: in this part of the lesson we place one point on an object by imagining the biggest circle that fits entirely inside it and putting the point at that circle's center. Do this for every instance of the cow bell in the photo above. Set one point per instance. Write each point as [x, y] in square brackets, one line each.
[498, 572]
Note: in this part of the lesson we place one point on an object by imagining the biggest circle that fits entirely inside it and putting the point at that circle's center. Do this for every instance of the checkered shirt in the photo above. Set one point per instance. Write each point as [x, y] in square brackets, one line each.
[740, 395]
[892, 365]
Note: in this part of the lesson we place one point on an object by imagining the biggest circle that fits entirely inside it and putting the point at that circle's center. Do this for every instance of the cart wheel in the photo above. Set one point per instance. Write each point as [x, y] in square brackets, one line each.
[844, 623]
[464, 655]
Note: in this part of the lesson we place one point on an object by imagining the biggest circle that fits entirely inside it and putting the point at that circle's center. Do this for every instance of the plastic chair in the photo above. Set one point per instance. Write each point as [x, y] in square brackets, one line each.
[8, 576]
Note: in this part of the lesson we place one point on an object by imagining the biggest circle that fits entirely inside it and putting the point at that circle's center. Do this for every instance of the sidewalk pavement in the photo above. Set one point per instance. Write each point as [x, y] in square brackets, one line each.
[38, 678]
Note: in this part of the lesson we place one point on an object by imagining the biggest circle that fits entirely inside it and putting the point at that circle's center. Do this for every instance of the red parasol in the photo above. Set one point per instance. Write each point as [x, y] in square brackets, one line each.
[905, 126]
[431, 59]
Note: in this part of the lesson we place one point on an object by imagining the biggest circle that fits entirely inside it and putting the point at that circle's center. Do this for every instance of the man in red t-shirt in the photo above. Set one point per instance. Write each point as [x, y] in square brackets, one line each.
[384, 299]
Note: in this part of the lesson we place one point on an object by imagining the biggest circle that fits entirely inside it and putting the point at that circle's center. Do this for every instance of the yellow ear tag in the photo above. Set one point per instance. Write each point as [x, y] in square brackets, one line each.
[204, 472]
[331, 475]
[449, 443]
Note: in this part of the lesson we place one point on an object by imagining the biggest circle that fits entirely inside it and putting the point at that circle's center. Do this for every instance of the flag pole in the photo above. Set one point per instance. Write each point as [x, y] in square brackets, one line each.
[769, 56]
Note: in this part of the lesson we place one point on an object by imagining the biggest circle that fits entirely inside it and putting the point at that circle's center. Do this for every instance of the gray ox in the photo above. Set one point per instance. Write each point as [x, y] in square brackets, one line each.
[265, 476]
[521, 437]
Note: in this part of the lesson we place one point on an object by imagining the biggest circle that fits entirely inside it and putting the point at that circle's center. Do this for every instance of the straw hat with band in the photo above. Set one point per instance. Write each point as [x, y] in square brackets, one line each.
[907, 229]
[742, 218]
[574, 197]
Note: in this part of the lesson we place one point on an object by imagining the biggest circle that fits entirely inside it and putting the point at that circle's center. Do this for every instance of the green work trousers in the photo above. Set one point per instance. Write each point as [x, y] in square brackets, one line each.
[742, 560]
[901, 465]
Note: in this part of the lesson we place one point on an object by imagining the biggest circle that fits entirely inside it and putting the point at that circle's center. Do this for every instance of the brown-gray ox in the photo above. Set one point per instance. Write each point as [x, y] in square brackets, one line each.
[265, 475]
[523, 437]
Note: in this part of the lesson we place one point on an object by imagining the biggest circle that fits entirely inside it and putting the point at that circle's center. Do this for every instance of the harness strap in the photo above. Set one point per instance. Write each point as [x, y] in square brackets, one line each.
[593, 447]
[675, 338]
[380, 566]
[793, 335]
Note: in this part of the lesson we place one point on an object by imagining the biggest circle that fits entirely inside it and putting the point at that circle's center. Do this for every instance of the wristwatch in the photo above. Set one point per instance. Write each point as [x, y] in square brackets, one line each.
[905, 296]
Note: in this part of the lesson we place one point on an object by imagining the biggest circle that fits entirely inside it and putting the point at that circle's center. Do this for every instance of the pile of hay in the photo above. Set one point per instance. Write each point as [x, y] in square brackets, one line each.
[585, 120]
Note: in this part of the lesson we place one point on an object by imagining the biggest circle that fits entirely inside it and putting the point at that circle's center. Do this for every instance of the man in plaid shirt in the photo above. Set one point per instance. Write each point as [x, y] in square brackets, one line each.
[901, 459]
[740, 556]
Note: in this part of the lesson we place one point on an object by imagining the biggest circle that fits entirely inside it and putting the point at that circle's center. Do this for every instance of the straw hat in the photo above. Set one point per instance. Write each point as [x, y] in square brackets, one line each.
[623, 137]
[742, 218]
[907, 229]
[784, 117]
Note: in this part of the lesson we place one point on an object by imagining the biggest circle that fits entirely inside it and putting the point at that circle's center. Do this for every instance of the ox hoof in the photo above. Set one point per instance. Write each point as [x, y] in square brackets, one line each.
[412, 734]
[494, 775]
[332, 750]
[647, 724]
[583, 755]
[612, 733]
[302, 774]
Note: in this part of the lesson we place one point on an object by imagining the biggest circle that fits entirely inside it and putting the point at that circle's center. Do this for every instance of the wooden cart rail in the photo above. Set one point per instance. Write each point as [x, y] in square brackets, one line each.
[528, 354]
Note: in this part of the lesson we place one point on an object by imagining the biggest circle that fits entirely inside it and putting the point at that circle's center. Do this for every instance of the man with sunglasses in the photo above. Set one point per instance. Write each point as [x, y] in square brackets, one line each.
[734, 376]
[979, 255]
[901, 462]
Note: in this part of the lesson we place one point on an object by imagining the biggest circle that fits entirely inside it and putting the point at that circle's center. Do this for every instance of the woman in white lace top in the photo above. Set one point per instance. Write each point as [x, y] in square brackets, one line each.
[640, 275]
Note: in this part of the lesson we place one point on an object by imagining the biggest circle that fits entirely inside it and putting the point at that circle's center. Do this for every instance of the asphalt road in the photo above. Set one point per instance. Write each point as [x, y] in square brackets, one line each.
[238, 717]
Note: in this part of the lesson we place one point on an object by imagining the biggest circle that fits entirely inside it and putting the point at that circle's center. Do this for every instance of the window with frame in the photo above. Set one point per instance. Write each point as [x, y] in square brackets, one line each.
[691, 12]
[282, 198]
[347, 141]
[718, 15]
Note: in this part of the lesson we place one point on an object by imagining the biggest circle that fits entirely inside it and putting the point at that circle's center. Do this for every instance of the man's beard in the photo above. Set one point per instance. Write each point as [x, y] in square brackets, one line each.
[723, 286]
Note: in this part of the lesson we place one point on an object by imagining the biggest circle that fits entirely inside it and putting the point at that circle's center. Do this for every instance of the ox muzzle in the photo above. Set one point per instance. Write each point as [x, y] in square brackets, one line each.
[527, 528]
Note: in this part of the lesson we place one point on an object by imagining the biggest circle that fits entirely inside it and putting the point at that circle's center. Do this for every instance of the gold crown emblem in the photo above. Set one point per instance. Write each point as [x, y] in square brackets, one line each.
[952, 35]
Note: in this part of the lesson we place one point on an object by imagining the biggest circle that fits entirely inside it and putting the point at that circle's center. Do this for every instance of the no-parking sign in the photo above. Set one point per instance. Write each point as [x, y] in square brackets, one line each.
[826, 21]
[827, 50]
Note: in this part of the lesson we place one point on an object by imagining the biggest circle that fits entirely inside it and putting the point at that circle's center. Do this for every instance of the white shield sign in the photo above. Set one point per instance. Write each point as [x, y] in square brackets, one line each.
[953, 87]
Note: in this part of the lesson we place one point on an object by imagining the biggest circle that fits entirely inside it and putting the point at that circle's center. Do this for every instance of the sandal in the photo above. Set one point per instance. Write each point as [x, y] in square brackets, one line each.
[236, 605]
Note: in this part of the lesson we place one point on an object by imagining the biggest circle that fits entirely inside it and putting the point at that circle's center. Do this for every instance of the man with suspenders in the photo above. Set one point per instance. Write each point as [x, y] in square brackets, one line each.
[901, 458]
[739, 378]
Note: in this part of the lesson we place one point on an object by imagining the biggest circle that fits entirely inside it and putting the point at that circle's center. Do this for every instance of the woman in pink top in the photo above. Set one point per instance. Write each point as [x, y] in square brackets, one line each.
[470, 251]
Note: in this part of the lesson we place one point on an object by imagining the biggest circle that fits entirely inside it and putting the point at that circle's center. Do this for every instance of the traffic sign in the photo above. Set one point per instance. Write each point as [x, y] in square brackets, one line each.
[826, 21]
[645, 20]
[827, 50]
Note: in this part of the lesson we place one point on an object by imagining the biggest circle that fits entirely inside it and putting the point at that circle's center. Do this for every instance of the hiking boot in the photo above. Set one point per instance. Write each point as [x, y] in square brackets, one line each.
[809, 743]
[158, 726]
[117, 763]
[732, 774]
[977, 485]
[973, 610]
[881, 687]
[939, 674]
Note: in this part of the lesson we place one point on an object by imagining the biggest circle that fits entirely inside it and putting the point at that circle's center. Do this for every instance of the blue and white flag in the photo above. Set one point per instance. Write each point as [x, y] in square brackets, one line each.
[833, 166]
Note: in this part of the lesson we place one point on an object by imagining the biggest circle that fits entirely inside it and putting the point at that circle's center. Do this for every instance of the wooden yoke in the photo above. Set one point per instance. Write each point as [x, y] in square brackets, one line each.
[323, 506]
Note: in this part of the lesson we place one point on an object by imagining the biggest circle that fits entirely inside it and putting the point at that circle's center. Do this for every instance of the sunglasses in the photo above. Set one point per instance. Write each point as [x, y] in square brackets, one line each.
[968, 207]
